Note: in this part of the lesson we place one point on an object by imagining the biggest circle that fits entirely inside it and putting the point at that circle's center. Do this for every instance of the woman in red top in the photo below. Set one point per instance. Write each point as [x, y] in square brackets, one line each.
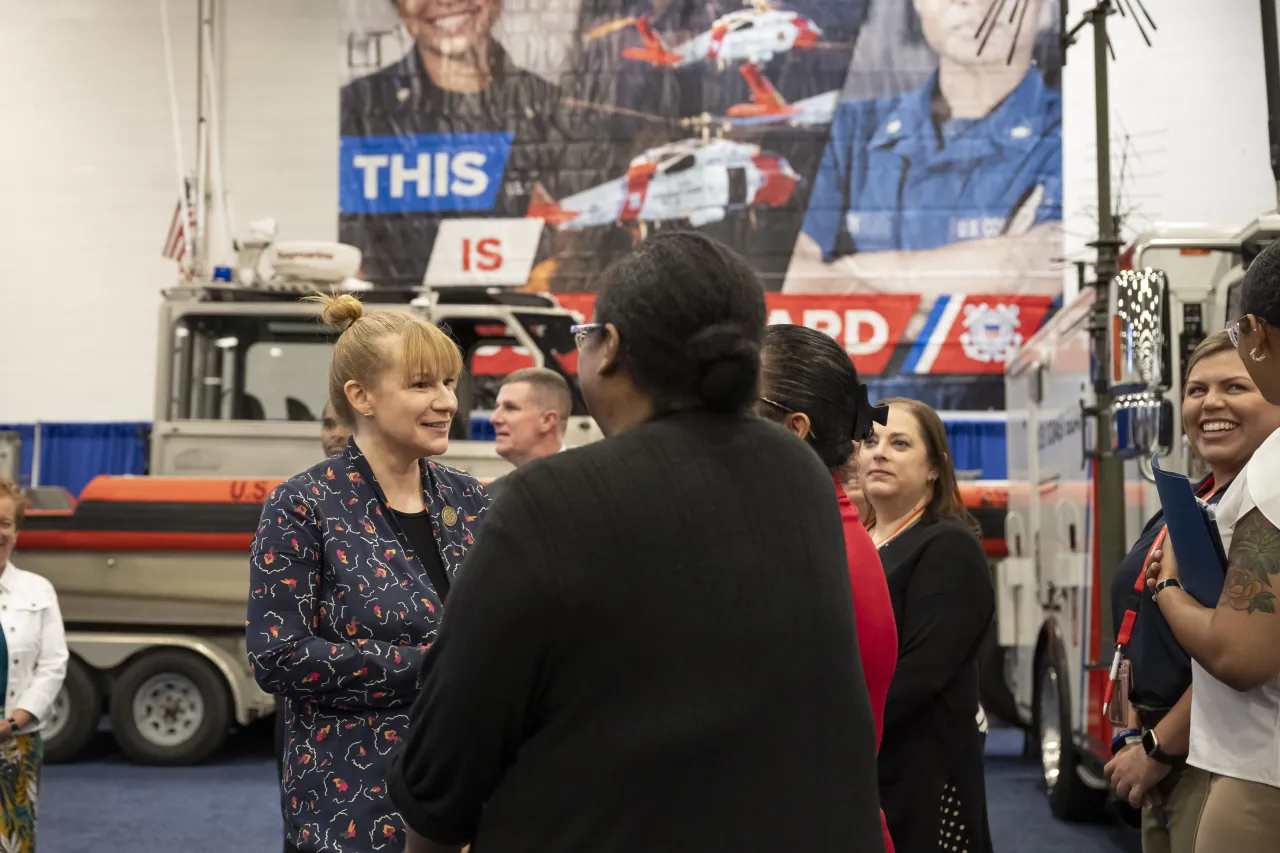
[809, 384]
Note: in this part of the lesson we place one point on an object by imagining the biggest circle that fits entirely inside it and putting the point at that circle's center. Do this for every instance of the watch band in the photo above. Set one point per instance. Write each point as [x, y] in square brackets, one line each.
[1167, 582]
[1151, 746]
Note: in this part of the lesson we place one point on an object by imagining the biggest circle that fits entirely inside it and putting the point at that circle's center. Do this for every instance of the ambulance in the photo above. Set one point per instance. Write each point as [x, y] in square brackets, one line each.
[1055, 642]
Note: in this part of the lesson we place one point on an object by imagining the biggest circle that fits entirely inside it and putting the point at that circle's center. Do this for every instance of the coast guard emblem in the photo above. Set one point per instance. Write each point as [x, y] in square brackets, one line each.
[991, 332]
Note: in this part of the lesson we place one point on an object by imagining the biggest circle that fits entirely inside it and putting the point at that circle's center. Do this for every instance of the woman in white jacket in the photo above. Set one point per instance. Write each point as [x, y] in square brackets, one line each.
[33, 662]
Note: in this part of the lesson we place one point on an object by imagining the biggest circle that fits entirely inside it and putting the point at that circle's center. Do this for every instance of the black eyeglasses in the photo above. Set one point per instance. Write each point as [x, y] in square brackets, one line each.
[581, 331]
[789, 411]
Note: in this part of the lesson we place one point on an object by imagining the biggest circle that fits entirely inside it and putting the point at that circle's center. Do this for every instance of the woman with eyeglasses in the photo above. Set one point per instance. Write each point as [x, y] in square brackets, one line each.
[1226, 419]
[653, 646]
[1235, 646]
[809, 385]
[932, 786]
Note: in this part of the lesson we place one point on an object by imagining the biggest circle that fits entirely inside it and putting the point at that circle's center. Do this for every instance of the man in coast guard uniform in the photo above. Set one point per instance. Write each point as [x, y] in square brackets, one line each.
[953, 186]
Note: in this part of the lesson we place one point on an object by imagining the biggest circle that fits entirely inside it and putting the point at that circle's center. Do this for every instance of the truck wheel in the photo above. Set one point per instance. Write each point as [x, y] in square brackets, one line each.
[170, 707]
[73, 720]
[1070, 798]
[993, 689]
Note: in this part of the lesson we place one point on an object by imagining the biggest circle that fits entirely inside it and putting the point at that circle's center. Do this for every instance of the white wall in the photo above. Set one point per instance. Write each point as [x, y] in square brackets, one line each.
[88, 179]
[1194, 108]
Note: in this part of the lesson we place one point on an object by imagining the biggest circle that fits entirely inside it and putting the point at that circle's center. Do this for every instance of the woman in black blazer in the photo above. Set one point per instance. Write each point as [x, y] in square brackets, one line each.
[932, 787]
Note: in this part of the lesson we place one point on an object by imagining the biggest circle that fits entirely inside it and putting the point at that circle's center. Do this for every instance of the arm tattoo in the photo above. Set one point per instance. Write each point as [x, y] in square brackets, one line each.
[1255, 557]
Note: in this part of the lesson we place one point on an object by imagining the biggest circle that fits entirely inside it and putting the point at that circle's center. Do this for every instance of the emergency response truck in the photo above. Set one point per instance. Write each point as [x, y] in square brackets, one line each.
[152, 572]
[1176, 285]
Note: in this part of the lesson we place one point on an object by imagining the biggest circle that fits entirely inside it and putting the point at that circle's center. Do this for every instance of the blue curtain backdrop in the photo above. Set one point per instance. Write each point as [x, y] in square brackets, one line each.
[73, 454]
[977, 445]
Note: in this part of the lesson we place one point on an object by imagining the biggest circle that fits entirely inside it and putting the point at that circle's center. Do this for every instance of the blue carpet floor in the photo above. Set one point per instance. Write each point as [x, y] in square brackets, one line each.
[106, 805]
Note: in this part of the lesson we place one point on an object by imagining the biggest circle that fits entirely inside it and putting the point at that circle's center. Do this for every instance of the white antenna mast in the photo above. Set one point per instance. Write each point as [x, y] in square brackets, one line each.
[201, 262]
[188, 237]
[221, 199]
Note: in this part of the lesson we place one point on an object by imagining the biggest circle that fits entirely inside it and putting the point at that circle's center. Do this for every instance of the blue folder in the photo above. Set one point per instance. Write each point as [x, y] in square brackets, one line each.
[1193, 533]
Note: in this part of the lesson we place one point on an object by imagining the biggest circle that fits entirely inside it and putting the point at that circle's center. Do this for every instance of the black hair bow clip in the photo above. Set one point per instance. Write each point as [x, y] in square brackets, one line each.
[868, 416]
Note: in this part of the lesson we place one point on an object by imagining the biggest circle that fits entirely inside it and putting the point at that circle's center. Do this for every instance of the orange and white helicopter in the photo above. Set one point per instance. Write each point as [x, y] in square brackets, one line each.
[753, 35]
[698, 180]
[767, 106]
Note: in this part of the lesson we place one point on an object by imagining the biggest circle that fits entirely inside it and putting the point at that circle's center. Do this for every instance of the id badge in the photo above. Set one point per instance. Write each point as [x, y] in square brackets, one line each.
[1118, 713]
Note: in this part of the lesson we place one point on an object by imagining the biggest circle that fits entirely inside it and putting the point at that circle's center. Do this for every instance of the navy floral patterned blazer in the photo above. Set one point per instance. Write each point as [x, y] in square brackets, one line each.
[341, 613]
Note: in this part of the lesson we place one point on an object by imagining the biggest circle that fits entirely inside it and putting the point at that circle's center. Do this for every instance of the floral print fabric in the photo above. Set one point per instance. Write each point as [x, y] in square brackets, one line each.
[341, 613]
[20, 761]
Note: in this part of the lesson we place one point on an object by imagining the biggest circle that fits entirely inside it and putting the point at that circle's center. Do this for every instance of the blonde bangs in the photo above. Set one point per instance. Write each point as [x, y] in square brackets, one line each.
[427, 351]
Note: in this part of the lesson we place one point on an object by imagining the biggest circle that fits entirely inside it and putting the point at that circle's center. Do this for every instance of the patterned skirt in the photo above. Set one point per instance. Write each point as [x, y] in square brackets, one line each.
[20, 761]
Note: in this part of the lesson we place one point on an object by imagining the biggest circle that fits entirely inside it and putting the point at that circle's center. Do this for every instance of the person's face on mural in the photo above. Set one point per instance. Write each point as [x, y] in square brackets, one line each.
[453, 28]
[956, 29]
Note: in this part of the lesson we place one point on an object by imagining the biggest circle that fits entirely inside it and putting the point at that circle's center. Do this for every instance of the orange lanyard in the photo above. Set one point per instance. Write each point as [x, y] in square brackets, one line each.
[911, 519]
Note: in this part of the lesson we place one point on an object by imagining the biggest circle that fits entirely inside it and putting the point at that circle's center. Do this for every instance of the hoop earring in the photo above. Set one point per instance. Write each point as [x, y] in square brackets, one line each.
[1253, 354]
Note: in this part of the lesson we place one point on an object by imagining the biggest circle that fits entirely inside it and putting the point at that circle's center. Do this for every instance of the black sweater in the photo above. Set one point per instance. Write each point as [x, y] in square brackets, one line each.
[651, 647]
[943, 602]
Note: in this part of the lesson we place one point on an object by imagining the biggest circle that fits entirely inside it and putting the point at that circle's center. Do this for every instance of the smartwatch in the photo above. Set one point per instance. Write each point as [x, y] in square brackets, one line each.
[1151, 746]
[1165, 583]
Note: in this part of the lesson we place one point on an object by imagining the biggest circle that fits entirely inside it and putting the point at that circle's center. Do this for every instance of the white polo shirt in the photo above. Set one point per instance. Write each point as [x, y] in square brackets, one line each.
[1236, 733]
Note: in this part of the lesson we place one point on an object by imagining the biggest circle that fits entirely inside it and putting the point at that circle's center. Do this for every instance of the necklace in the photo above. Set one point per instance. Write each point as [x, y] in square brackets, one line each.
[910, 520]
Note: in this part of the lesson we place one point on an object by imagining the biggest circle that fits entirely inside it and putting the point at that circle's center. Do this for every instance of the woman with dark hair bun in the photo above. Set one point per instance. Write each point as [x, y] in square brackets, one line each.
[653, 647]
[809, 385]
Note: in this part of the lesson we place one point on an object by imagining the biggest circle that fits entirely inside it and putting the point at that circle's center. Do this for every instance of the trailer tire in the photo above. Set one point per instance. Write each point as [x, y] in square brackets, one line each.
[1070, 799]
[170, 707]
[74, 718]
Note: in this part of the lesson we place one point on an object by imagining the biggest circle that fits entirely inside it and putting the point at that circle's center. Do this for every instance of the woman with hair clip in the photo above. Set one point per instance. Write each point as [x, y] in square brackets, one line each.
[653, 646]
[932, 786]
[808, 384]
[1235, 647]
[350, 568]
[1225, 419]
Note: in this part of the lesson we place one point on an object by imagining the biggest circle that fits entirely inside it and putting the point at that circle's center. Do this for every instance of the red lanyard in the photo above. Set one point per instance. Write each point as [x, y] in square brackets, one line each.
[1135, 598]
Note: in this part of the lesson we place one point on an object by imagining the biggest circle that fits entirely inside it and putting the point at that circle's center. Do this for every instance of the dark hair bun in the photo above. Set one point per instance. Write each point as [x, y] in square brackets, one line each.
[728, 364]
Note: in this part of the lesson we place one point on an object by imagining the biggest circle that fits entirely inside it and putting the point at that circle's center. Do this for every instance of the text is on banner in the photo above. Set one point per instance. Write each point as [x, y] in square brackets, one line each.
[483, 252]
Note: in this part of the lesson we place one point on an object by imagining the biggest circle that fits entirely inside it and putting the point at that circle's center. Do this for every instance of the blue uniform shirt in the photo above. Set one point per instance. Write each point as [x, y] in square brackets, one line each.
[891, 180]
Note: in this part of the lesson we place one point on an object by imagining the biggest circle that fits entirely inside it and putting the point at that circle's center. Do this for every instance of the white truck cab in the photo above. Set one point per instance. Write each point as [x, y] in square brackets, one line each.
[152, 572]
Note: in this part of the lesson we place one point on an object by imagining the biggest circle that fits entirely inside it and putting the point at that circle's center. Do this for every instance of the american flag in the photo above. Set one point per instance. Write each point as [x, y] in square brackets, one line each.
[175, 245]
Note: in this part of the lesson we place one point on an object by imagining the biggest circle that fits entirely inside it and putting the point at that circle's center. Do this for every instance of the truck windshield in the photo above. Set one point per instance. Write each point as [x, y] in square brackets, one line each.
[1233, 302]
[256, 367]
[249, 367]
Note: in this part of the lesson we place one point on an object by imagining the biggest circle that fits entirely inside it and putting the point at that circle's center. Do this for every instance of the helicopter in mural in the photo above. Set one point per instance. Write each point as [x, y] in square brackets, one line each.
[755, 35]
[767, 106]
[698, 180]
